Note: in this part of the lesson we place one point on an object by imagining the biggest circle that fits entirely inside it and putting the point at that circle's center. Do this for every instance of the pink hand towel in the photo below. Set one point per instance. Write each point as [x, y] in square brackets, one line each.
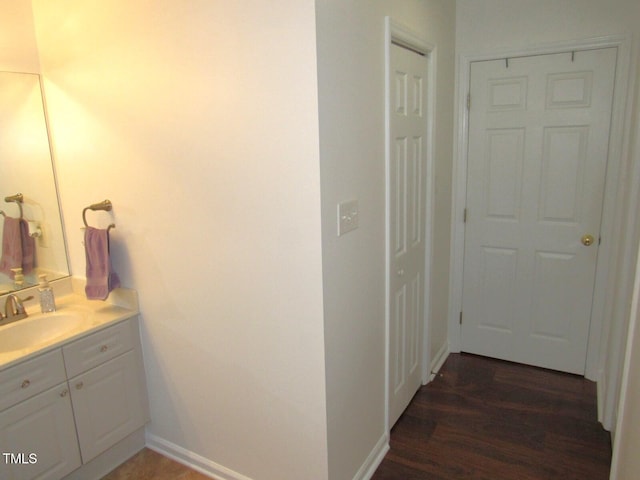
[18, 248]
[11, 246]
[101, 278]
[28, 247]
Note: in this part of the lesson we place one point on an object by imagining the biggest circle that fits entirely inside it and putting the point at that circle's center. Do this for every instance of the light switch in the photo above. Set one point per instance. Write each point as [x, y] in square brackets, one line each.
[347, 216]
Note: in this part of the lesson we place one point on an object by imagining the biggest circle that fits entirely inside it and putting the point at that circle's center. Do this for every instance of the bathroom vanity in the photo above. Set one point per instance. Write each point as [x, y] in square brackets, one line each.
[73, 404]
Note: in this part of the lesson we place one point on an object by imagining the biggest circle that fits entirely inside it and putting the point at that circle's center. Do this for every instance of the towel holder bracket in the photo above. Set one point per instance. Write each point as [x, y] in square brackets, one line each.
[105, 205]
[17, 198]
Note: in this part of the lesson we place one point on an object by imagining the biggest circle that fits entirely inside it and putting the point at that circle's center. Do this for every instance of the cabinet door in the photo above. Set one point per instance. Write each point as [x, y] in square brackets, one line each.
[108, 402]
[38, 438]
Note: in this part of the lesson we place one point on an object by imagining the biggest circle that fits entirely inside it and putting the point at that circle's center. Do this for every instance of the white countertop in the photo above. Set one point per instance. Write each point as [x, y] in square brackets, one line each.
[121, 304]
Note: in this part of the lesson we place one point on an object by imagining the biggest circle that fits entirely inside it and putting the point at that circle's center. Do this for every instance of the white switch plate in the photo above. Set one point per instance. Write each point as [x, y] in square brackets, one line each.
[347, 216]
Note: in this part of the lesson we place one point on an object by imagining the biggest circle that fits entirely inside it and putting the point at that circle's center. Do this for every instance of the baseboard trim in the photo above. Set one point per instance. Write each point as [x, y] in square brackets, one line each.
[439, 359]
[600, 397]
[191, 459]
[374, 459]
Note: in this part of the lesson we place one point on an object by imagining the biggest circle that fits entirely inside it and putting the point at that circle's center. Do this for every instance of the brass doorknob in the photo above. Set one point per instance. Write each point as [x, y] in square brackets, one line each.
[587, 240]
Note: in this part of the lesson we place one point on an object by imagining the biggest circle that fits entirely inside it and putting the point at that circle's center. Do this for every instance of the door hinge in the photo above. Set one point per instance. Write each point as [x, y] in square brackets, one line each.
[460, 318]
[464, 216]
[599, 240]
[468, 101]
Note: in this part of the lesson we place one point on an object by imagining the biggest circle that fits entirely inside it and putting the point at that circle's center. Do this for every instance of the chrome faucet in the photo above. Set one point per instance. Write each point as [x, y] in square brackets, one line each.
[14, 309]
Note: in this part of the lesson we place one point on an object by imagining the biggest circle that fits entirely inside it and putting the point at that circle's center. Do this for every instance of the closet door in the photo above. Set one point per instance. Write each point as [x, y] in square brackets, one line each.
[406, 213]
[538, 143]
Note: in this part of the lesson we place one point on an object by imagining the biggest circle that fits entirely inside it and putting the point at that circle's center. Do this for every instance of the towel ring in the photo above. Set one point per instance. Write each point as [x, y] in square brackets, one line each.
[17, 198]
[104, 205]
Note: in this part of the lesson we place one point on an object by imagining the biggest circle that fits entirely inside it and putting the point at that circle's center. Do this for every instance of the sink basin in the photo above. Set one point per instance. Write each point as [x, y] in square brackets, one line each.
[38, 329]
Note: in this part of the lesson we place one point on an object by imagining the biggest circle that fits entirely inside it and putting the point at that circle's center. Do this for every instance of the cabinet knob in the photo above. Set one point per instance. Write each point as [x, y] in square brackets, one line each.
[79, 385]
[25, 384]
[64, 393]
[104, 348]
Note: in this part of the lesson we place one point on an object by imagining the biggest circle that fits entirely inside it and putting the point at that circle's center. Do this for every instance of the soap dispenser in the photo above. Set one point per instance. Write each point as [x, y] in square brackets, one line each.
[18, 277]
[47, 300]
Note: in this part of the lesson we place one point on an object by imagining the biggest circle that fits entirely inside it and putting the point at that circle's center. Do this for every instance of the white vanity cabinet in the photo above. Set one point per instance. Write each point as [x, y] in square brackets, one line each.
[37, 433]
[73, 403]
[107, 387]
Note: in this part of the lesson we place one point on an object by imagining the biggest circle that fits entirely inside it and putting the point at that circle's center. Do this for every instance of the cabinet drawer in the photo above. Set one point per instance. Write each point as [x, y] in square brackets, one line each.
[22, 381]
[88, 352]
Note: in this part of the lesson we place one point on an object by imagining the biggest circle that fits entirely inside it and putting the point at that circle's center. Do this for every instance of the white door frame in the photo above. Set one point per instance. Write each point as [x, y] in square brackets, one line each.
[613, 203]
[400, 35]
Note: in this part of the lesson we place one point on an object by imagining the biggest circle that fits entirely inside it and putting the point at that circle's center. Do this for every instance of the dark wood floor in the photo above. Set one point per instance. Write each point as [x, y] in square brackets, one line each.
[485, 419]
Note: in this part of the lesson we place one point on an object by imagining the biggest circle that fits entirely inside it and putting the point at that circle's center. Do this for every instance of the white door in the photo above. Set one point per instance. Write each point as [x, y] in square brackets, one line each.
[405, 225]
[538, 141]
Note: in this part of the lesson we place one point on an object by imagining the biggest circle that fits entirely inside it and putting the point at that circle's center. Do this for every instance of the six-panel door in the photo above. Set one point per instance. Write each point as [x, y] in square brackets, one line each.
[538, 142]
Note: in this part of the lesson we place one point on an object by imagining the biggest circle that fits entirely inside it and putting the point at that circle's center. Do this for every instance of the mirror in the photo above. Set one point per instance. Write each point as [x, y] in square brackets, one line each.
[26, 167]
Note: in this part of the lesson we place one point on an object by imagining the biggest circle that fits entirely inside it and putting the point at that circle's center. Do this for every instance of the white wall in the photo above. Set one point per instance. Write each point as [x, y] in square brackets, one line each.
[352, 138]
[18, 50]
[625, 461]
[198, 120]
[487, 25]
